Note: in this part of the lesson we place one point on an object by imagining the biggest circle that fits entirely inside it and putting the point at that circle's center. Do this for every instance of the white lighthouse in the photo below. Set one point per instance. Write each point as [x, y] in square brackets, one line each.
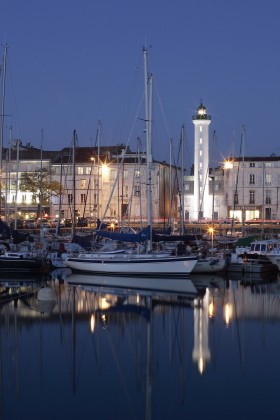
[201, 205]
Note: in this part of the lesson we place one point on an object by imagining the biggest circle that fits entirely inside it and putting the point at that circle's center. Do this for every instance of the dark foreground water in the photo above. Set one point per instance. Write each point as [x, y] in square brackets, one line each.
[96, 353]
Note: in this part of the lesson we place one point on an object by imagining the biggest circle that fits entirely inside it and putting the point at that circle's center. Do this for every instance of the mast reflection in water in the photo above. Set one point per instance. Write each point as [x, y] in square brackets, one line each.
[106, 352]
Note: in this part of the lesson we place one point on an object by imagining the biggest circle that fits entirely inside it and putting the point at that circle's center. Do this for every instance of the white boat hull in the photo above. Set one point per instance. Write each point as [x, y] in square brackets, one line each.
[163, 285]
[133, 264]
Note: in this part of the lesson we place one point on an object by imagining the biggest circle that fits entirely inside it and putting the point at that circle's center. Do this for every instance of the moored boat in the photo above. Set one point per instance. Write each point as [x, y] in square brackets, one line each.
[20, 261]
[129, 264]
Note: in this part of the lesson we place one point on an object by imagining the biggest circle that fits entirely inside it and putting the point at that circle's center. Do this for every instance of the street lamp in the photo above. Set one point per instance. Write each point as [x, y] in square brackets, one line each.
[211, 231]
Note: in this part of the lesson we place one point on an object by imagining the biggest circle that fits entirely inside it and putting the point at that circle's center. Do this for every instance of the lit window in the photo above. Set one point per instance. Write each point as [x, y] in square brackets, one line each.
[267, 179]
[83, 183]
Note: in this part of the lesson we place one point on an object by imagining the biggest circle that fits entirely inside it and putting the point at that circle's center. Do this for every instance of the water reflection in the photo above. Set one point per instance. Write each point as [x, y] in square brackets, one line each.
[141, 347]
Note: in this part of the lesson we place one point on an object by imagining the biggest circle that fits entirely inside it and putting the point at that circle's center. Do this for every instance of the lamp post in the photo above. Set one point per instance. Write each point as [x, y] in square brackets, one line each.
[211, 231]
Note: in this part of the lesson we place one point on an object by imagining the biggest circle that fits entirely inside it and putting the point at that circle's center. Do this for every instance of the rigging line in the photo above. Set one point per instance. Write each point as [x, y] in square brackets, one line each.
[119, 168]
[121, 376]
[127, 102]
[164, 119]
[175, 180]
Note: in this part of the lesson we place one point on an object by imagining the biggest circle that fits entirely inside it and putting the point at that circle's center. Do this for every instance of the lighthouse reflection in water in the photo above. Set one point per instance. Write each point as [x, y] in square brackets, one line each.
[104, 351]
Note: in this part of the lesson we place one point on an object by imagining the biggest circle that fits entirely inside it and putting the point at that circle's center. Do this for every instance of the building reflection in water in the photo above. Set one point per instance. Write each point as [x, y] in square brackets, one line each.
[153, 332]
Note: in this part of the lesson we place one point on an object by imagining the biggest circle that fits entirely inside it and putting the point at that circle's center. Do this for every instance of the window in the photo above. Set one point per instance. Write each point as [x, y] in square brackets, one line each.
[200, 140]
[268, 197]
[112, 174]
[200, 128]
[200, 153]
[252, 179]
[83, 198]
[252, 164]
[70, 198]
[252, 197]
[83, 183]
[88, 170]
[80, 170]
[137, 191]
[267, 179]
[235, 198]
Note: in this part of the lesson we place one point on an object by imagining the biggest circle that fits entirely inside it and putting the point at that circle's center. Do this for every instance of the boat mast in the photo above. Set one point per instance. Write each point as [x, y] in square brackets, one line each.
[60, 197]
[98, 168]
[148, 122]
[41, 177]
[16, 197]
[243, 183]
[8, 178]
[74, 182]
[2, 117]
[182, 213]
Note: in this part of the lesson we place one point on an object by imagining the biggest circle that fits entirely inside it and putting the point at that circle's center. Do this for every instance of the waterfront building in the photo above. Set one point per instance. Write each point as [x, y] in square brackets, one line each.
[94, 181]
[252, 186]
[243, 188]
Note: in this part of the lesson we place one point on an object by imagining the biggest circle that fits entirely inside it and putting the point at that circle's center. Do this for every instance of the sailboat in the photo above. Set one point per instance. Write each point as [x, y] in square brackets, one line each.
[130, 263]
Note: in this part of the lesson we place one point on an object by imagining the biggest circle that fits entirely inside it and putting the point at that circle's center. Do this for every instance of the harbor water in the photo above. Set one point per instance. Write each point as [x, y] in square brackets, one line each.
[85, 351]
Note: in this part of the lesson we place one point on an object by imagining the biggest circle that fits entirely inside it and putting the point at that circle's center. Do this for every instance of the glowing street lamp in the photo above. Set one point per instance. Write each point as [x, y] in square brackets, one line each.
[211, 231]
[228, 164]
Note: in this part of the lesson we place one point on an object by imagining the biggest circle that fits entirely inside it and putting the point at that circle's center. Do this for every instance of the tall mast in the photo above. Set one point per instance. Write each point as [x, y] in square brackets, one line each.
[16, 197]
[98, 168]
[41, 177]
[243, 182]
[2, 116]
[74, 182]
[8, 177]
[170, 183]
[148, 123]
[182, 218]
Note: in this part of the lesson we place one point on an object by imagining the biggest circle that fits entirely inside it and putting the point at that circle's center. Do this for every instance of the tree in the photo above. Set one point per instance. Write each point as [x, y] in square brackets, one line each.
[40, 184]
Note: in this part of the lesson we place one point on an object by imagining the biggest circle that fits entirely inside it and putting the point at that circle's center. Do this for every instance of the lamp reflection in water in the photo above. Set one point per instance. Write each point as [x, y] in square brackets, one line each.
[211, 309]
[92, 323]
[201, 351]
[228, 308]
[227, 313]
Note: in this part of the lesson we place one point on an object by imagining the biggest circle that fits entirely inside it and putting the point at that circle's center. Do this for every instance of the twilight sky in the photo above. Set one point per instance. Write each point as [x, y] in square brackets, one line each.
[71, 63]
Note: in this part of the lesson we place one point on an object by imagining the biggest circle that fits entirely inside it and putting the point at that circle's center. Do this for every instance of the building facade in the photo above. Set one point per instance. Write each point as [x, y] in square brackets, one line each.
[95, 182]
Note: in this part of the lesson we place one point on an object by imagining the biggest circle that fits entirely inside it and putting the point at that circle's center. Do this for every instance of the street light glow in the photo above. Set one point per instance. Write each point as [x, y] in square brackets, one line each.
[228, 164]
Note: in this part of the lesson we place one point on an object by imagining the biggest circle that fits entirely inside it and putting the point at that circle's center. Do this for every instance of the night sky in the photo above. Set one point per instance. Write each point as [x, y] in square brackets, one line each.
[72, 63]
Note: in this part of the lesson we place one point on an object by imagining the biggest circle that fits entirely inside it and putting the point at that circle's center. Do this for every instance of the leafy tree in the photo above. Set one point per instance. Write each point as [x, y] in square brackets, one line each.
[40, 184]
